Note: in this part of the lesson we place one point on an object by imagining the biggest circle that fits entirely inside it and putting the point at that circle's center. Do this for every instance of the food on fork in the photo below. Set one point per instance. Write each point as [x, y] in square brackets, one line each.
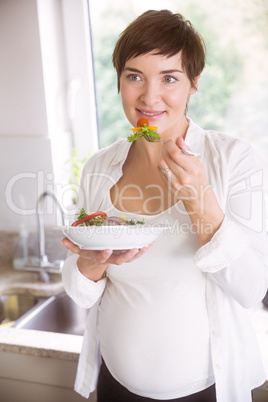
[151, 135]
[143, 129]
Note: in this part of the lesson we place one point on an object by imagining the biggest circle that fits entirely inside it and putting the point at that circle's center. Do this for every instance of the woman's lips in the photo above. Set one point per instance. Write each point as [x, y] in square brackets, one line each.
[150, 115]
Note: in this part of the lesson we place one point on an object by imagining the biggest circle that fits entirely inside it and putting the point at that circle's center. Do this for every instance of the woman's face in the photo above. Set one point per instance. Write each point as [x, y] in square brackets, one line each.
[156, 87]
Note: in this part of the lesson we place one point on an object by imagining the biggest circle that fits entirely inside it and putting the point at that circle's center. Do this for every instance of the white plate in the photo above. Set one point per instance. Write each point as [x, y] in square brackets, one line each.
[121, 237]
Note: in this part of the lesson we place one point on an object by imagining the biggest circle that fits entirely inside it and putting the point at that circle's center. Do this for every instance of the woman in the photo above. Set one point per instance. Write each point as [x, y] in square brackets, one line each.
[169, 321]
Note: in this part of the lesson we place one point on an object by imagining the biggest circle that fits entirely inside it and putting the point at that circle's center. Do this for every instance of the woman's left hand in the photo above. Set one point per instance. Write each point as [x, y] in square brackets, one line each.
[186, 177]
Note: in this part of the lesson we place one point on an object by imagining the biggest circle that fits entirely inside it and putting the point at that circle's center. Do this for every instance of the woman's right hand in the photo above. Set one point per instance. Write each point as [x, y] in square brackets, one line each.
[93, 263]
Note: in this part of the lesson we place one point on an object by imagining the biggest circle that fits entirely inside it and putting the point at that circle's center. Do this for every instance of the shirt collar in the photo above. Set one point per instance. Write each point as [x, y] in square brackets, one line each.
[121, 152]
[195, 138]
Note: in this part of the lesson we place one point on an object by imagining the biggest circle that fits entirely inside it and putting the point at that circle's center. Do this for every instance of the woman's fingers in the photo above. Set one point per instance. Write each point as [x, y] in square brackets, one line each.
[103, 256]
[184, 170]
[106, 256]
[142, 251]
[95, 256]
[172, 172]
[119, 259]
[175, 158]
[181, 144]
[186, 176]
[129, 255]
[70, 246]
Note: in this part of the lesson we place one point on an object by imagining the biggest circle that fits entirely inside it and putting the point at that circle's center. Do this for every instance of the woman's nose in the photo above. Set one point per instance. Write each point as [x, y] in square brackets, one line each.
[150, 93]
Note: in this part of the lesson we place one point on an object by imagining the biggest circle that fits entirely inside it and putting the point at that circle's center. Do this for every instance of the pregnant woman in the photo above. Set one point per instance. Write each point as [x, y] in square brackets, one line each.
[169, 321]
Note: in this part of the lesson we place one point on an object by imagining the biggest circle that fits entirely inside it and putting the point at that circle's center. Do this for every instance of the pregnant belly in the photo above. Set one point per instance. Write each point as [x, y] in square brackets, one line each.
[152, 347]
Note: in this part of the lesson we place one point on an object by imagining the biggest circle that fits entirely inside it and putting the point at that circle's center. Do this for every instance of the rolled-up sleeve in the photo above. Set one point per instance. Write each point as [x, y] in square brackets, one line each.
[234, 263]
[236, 258]
[228, 244]
[82, 290]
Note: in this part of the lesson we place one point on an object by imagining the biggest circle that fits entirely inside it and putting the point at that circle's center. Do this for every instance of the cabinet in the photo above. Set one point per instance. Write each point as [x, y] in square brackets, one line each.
[25, 378]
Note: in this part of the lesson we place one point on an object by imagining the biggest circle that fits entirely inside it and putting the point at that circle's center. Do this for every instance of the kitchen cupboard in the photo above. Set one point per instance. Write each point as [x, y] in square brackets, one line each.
[25, 378]
[261, 394]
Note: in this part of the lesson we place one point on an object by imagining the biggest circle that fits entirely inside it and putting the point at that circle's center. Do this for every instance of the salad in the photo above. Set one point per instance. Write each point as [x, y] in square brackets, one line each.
[143, 129]
[100, 218]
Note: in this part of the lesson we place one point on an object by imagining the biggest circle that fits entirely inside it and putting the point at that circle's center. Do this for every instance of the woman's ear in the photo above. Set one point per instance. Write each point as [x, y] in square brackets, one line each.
[194, 86]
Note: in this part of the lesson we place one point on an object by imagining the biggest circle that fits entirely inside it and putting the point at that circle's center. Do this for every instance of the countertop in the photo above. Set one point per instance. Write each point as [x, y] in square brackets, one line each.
[68, 347]
[21, 282]
[32, 342]
[40, 343]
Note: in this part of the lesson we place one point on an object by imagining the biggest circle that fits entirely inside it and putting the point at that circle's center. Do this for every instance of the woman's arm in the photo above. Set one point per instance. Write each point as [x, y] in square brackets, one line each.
[188, 181]
[237, 256]
[234, 252]
[237, 262]
[82, 290]
[83, 273]
[84, 270]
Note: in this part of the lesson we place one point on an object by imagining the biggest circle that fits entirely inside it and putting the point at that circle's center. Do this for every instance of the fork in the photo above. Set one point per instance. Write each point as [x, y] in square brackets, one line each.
[184, 151]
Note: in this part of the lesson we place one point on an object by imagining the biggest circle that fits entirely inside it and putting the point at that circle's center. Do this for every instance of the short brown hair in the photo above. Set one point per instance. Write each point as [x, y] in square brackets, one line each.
[166, 32]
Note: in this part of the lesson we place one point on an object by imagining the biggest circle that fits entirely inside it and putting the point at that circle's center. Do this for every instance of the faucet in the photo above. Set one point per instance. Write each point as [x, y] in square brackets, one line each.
[43, 261]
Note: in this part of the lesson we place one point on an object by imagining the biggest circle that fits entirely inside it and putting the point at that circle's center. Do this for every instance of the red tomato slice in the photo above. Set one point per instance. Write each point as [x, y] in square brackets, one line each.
[88, 218]
[142, 121]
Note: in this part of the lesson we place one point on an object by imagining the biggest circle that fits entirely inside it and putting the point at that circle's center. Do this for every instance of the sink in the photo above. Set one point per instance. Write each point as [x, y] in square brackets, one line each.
[55, 314]
[14, 306]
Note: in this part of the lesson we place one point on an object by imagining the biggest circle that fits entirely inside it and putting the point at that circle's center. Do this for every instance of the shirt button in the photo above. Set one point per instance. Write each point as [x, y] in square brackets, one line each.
[215, 333]
[218, 366]
[211, 301]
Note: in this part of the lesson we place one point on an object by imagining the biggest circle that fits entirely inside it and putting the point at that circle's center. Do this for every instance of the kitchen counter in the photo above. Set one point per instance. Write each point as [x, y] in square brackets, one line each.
[67, 347]
[35, 365]
[40, 343]
[32, 342]
[21, 282]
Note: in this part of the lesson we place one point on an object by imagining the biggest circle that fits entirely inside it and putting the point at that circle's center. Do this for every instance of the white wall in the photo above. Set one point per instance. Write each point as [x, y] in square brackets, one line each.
[22, 98]
[24, 144]
[47, 102]
[26, 161]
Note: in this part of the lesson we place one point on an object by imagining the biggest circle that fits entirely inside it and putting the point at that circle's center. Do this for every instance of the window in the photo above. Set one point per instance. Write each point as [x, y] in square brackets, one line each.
[233, 89]
[70, 91]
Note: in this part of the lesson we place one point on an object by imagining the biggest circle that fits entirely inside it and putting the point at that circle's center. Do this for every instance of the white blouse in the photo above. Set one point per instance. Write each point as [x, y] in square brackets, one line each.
[153, 321]
[233, 264]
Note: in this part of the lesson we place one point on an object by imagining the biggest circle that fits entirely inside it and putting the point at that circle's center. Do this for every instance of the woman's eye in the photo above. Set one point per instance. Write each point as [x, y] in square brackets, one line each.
[133, 77]
[169, 79]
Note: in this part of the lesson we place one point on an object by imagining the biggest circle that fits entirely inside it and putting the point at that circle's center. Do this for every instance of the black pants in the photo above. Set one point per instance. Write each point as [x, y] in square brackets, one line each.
[109, 390]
